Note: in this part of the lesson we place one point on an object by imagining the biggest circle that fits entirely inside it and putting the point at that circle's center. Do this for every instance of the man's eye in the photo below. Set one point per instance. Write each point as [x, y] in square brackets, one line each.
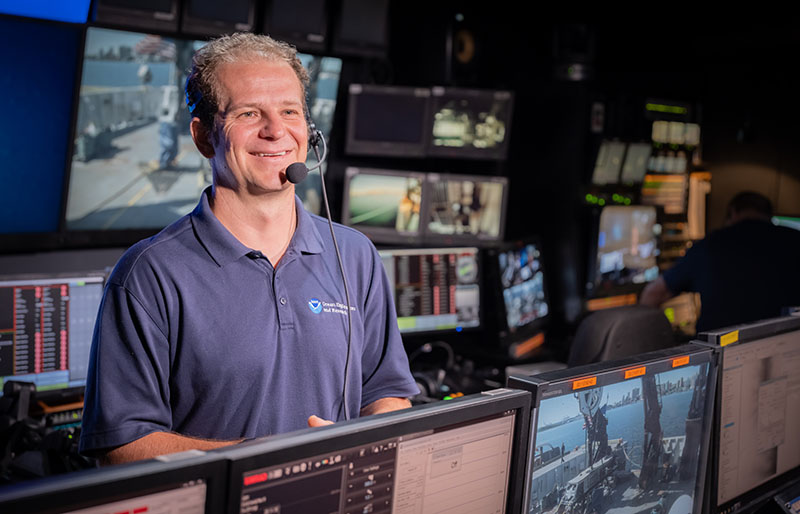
[248, 114]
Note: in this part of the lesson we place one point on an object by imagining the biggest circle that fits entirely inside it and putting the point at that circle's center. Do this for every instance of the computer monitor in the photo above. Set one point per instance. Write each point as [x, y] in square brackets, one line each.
[462, 455]
[757, 450]
[189, 482]
[622, 436]
[465, 209]
[387, 120]
[214, 18]
[361, 28]
[516, 285]
[302, 23]
[143, 14]
[625, 250]
[470, 123]
[608, 163]
[386, 205]
[435, 289]
[135, 168]
[634, 167]
[46, 327]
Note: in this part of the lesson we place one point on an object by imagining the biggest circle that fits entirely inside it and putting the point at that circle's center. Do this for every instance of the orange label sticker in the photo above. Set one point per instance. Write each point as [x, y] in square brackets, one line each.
[635, 372]
[680, 361]
[730, 337]
[584, 382]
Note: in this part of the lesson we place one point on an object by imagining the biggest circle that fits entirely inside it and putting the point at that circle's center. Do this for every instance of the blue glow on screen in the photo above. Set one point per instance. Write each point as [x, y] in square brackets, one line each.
[74, 11]
[39, 63]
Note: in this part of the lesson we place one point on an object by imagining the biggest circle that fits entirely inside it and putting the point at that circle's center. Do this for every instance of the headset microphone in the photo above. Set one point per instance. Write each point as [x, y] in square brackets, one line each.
[296, 173]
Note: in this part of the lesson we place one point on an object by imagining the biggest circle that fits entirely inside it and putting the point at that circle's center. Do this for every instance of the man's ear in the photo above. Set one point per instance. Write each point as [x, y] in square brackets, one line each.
[202, 138]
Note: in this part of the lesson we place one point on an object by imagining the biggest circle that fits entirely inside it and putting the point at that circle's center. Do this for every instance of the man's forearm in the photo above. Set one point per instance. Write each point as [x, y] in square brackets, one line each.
[385, 405]
[159, 443]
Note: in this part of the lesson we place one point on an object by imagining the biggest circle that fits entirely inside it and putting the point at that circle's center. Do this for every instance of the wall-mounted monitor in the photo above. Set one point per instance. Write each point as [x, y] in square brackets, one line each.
[516, 282]
[608, 163]
[756, 450]
[189, 482]
[629, 435]
[634, 167]
[463, 455]
[435, 289]
[386, 205]
[387, 120]
[361, 28]
[32, 178]
[135, 168]
[465, 209]
[46, 327]
[156, 15]
[470, 123]
[302, 23]
[213, 18]
[626, 247]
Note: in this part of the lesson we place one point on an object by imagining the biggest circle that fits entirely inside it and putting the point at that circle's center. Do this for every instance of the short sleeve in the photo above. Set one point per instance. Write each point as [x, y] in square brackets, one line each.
[385, 368]
[127, 389]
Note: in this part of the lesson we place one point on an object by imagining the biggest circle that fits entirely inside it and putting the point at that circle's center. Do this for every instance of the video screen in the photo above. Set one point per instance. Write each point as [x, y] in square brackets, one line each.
[636, 160]
[466, 206]
[608, 163]
[759, 414]
[470, 123]
[381, 202]
[627, 246]
[522, 280]
[787, 221]
[435, 289]
[46, 328]
[188, 498]
[134, 164]
[628, 446]
[385, 120]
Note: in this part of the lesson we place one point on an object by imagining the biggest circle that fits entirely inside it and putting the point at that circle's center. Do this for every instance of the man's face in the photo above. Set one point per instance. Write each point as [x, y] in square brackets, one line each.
[260, 128]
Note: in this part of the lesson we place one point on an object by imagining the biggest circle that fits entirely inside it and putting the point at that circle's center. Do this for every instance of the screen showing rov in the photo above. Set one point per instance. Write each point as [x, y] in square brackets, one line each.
[627, 246]
[629, 446]
[46, 327]
[523, 286]
[462, 468]
[434, 288]
[188, 498]
[759, 413]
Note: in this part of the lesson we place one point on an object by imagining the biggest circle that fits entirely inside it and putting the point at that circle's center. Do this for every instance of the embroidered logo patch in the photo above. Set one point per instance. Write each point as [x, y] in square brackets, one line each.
[315, 305]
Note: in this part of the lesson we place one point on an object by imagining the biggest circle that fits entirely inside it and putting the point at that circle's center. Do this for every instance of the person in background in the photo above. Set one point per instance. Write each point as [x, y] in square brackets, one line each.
[746, 271]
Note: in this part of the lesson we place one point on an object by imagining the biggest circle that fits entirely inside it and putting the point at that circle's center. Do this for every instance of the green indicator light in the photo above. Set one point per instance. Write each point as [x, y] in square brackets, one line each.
[627, 201]
[601, 202]
[671, 109]
[447, 398]
[588, 197]
[670, 314]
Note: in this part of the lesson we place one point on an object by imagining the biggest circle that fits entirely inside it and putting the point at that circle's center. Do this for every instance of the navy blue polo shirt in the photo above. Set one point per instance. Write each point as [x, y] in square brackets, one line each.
[200, 335]
[744, 272]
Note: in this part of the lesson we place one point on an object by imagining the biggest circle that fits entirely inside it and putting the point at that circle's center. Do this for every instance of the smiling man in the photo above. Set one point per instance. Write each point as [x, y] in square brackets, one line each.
[231, 323]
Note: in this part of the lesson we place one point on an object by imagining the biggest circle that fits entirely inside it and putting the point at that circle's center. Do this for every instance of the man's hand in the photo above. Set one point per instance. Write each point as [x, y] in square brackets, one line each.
[316, 421]
[376, 407]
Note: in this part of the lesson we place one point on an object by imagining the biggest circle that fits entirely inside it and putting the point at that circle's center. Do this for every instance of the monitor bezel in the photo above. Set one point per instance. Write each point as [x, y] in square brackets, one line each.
[433, 238]
[639, 179]
[606, 145]
[316, 441]
[92, 487]
[355, 146]
[507, 336]
[307, 42]
[64, 394]
[382, 235]
[719, 340]
[192, 25]
[500, 153]
[563, 379]
[409, 335]
[143, 19]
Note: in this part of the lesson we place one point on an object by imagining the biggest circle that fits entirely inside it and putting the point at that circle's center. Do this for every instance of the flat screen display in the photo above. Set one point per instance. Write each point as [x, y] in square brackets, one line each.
[626, 436]
[435, 289]
[522, 280]
[466, 207]
[634, 167]
[134, 164]
[470, 123]
[46, 328]
[608, 163]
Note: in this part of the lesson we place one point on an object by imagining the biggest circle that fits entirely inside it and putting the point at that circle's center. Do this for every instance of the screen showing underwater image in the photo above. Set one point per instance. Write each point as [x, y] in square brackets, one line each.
[627, 246]
[523, 286]
[462, 206]
[134, 164]
[623, 447]
[383, 201]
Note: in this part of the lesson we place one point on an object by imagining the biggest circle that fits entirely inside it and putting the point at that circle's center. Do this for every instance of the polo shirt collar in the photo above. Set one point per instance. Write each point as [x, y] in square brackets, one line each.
[224, 248]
